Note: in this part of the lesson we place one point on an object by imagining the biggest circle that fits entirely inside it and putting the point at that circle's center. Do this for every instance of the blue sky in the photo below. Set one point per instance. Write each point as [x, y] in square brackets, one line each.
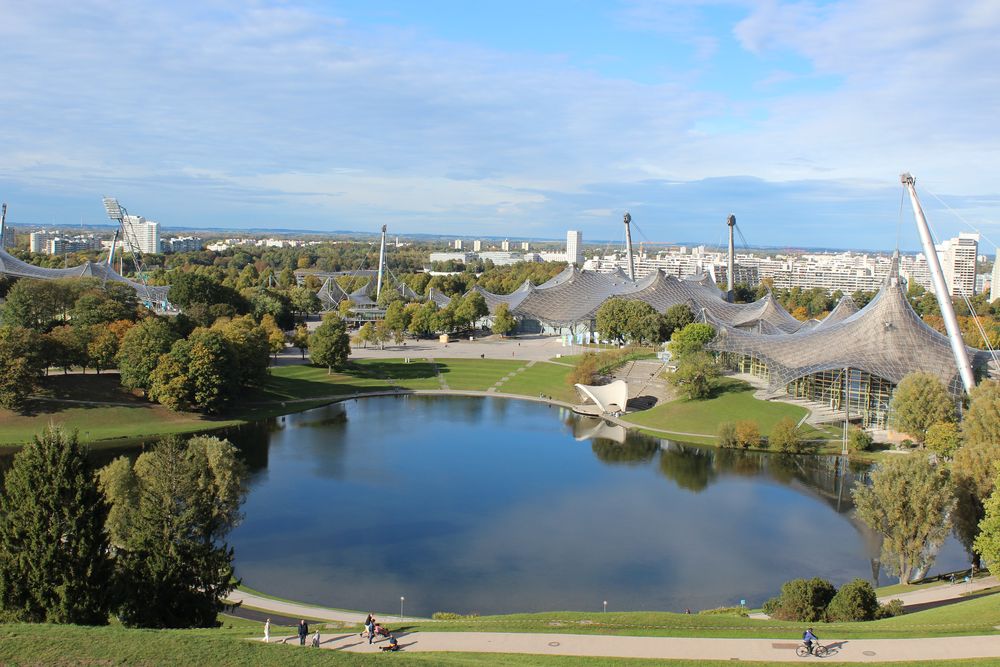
[511, 118]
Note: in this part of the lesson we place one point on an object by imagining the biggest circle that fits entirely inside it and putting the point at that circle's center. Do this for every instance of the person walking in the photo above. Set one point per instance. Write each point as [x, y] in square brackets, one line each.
[267, 631]
[370, 627]
[315, 641]
[303, 631]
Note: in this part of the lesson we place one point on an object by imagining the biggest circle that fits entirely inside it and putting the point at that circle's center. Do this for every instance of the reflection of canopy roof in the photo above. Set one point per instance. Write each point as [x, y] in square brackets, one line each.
[12, 266]
[608, 397]
[574, 296]
[885, 338]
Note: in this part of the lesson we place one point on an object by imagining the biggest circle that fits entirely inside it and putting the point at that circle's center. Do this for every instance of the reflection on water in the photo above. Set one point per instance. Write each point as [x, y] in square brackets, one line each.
[497, 505]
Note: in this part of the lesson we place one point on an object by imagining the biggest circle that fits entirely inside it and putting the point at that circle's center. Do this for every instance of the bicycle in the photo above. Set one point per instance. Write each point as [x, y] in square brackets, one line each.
[818, 650]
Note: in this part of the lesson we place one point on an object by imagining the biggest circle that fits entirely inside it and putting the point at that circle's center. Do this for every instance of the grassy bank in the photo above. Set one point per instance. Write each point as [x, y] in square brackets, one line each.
[978, 616]
[234, 644]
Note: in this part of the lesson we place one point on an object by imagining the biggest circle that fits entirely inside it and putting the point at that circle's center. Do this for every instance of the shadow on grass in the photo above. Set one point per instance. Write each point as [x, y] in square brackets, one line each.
[729, 386]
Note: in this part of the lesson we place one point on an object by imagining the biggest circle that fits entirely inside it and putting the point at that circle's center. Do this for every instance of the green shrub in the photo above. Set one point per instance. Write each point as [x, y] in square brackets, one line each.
[859, 440]
[890, 609]
[771, 606]
[585, 370]
[747, 433]
[724, 611]
[804, 600]
[943, 439]
[785, 436]
[855, 601]
[727, 435]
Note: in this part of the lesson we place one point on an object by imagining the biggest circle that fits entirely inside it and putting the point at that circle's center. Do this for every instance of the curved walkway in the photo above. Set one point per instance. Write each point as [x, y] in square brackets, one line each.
[679, 648]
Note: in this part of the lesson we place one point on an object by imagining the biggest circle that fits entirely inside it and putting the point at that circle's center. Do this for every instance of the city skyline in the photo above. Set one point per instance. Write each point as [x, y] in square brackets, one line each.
[520, 121]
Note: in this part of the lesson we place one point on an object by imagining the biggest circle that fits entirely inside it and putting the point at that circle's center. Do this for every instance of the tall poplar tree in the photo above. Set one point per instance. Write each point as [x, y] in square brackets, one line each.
[54, 560]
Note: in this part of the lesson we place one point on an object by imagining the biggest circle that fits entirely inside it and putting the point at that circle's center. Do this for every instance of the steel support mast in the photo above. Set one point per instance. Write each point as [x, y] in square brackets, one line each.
[381, 265]
[940, 288]
[628, 246]
[731, 273]
[3, 223]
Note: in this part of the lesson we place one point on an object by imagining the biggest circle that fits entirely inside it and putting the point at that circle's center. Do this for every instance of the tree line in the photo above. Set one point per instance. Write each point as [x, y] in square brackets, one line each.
[142, 540]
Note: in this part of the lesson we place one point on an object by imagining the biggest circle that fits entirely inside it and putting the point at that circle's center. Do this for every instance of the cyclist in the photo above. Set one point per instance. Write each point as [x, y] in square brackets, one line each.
[808, 638]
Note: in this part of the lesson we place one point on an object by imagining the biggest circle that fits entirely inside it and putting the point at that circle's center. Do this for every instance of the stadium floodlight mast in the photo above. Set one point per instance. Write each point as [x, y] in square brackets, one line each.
[118, 213]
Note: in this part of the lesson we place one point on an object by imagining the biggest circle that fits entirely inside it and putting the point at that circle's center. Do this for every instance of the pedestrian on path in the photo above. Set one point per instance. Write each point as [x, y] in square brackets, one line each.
[303, 631]
[267, 631]
[371, 629]
[315, 641]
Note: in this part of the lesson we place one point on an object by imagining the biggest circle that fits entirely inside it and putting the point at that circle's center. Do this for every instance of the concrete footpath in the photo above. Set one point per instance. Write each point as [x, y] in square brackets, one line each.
[763, 650]
[310, 612]
[943, 593]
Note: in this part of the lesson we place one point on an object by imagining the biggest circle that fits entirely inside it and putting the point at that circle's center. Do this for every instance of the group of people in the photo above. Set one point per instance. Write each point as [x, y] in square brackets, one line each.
[303, 629]
[374, 629]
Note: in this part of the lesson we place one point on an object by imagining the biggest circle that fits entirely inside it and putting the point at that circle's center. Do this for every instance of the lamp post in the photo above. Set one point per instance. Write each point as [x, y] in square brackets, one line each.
[401, 598]
[605, 606]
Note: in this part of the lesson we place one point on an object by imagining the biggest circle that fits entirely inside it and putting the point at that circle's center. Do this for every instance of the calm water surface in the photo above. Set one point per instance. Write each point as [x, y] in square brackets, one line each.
[496, 505]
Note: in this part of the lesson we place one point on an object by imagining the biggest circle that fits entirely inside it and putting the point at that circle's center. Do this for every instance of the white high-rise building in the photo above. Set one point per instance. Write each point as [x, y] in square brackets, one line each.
[525, 246]
[505, 245]
[477, 246]
[141, 235]
[958, 262]
[995, 279]
[574, 247]
[457, 244]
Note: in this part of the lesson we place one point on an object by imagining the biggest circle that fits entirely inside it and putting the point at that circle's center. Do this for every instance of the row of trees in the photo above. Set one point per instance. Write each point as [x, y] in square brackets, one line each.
[628, 321]
[142, 540]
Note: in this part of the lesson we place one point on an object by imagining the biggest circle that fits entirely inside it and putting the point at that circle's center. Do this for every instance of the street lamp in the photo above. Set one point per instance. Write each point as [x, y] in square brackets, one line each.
[605, 606]
[401, 598]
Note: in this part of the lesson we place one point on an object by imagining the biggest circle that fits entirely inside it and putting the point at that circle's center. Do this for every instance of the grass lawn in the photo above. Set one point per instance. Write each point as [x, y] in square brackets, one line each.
[732, 400]
[542, 378]
[973, 617]
[476, 374]
[134, 418]
[233, 644]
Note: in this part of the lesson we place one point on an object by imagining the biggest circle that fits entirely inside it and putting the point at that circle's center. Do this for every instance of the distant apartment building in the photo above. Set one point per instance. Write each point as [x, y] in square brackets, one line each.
[57, 243]
[574, 247]
[141, 235]
[958, 262]
[501, 258]
[457, 244]
[183, 244]
[505, 245]
[464, 257]
[477, 246]
[525, 246]
[995, 279]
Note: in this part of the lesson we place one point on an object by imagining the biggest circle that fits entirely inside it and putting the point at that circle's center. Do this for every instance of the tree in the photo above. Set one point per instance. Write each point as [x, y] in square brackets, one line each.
[973, 462]
[908, 504]
[396, 321]
[803, 600]
[695, 375]
[365, 335]
[747, 433]
[943, 439]
[67, 346]
[198, 373]
[304, 300]
[585, 370]
[54, 562]
[329, 345]
[422, 323]
[676, 317]
[785, 436]
[503, 321]
[102, 348]
[21, 361]
[174, 567]
[855, 601]
[140, 351]
[34, 304]
[692, 338]
[102, 305]
[471, 309]
[859, 440]
[300, 339]
[920, 401]
[250, 346]
[727, 435]
[612, 320]
[275, 336]
[987, 543]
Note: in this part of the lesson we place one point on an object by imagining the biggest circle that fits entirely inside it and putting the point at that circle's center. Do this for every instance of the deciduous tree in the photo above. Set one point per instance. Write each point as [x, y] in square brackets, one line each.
[920, 401]
[503, 321]
[695, 375]
[692, 338]
[21, 361]
[908, 503]
[329, 345]
[140, 351]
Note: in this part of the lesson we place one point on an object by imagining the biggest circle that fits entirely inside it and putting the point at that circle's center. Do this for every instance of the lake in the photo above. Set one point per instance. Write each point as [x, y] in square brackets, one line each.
[495, 505]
